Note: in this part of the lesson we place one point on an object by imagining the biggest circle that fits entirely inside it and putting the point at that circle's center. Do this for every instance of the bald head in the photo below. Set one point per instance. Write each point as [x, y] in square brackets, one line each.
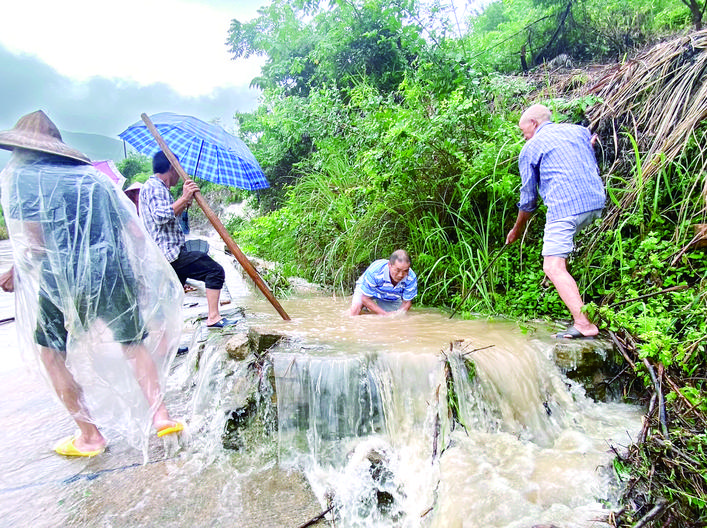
[532, 118]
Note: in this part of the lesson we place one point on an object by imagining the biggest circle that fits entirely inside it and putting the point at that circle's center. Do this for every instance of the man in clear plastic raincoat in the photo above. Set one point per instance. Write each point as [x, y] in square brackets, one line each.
[95, 297]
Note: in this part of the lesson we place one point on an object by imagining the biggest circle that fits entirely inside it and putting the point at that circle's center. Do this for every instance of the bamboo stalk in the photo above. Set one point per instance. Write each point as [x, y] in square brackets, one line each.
[216, 222]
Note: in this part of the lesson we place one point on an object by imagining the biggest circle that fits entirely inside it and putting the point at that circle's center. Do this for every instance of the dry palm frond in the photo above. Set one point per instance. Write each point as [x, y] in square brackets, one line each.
[663, 94]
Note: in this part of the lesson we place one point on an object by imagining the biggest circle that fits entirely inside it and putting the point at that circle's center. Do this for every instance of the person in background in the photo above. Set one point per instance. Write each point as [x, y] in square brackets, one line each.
[133, 192]
[386, 287]
[160, 214]
[74, 239]
[558, 164]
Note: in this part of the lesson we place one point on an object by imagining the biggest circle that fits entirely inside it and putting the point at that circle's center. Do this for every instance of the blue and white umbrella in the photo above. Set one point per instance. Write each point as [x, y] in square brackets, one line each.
[204, 150]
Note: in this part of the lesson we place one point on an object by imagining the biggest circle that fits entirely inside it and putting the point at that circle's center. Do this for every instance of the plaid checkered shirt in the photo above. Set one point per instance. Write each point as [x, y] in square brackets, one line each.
[158, 216]
[558, 164]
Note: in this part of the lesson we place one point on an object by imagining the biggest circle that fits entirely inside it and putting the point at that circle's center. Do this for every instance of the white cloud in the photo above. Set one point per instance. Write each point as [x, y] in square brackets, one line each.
[176, 42]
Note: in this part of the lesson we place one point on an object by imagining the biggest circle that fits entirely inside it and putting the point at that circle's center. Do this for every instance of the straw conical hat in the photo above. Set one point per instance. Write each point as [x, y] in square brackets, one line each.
[36, 131]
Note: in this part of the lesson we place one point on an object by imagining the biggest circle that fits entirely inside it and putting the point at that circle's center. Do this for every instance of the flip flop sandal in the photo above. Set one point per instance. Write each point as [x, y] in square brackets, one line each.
[572, 333]
[178, 427]
[66, 447]
[223, 323]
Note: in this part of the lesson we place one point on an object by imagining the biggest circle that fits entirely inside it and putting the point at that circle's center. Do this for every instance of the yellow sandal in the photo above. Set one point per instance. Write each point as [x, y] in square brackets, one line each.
[170, 429]
[66, 447]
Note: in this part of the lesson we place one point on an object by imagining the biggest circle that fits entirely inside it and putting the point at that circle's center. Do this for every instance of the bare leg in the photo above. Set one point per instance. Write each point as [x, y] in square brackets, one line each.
[212, 297]
[148, 379]
[71, 395]
[556, 270]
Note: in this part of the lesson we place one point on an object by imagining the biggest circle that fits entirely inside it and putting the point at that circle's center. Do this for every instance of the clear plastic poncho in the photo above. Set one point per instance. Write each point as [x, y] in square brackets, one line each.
[91, 284]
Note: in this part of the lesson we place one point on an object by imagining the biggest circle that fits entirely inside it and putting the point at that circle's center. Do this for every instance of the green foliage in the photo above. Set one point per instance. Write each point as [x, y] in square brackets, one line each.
[586, 30]
[313, 44]
[318, 53]
[418, 172]
[136, 168]
[674, 470]
[374, 139]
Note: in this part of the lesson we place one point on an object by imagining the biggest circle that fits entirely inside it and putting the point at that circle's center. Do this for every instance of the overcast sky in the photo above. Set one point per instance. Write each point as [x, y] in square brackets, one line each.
[95, 66]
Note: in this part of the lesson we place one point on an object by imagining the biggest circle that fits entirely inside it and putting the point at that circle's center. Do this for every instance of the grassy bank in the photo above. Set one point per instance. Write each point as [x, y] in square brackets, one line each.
[361, 167]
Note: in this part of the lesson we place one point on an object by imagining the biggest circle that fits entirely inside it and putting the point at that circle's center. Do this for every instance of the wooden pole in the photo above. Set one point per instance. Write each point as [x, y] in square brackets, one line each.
[225, 235]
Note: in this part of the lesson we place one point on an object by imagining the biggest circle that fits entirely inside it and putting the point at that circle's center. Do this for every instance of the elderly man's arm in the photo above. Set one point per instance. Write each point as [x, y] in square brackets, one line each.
[529, 168]
[372, 306]
[517, 229]
[7, 280]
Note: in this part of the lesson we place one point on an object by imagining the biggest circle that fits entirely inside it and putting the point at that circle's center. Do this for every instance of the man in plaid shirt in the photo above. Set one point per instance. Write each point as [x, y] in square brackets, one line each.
[557, 163]
[387, 287]
[160, 214]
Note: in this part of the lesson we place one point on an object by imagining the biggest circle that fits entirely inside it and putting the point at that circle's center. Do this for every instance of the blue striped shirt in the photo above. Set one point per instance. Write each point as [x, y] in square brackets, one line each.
[375, 283]
[158, 216]
[558, 164]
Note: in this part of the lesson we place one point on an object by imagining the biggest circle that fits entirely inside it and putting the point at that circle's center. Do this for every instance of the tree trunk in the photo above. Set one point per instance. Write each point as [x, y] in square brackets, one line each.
[541, 55]
[696, 11]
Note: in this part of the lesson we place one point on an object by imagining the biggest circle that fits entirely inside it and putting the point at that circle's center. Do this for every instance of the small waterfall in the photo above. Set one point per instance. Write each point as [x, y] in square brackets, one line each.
[387, 438]
[219, 394]
[403, 435]
[362, 431]
[519, 391]
[322, 401]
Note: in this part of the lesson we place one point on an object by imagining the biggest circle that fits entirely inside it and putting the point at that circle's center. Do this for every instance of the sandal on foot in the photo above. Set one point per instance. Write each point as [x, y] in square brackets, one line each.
[572, 333]
[66, 447]
[222, 323]
[177, 427]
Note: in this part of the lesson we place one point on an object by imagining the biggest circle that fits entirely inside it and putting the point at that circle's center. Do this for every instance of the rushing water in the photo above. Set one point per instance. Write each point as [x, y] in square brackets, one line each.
[362, 406]
[368, 420]
[390, 423]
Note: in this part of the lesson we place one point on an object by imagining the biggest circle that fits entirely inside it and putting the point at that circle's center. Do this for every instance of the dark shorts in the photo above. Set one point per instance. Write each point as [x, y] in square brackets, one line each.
[199, 266]
[116, 306]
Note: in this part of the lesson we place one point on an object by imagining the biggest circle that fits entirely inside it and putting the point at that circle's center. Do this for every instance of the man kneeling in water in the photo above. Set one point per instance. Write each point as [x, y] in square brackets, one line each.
[386, 287]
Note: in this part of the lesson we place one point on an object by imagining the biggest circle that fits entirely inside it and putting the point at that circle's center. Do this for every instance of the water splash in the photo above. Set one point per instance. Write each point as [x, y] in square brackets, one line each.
[389, 439]
[360, 430]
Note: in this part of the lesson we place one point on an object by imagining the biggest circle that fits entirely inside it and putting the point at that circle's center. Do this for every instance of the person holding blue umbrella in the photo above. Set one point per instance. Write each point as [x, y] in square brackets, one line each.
[161, 215]
[206, 151]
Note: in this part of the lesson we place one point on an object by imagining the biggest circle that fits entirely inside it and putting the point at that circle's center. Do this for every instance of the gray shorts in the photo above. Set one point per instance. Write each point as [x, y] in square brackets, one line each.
[558, 240]
[388, 306]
